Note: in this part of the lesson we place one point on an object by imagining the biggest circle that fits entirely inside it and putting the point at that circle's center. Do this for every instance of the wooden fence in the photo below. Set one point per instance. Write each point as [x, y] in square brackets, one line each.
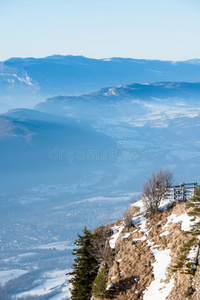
[182, 192]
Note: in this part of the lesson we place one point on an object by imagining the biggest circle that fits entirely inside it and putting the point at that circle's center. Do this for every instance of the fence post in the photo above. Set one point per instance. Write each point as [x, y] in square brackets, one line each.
[174, 194]
[183, 189]
[195, 185]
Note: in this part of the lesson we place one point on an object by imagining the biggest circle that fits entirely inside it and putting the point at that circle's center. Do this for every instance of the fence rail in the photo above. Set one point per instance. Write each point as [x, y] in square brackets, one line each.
[182, 192]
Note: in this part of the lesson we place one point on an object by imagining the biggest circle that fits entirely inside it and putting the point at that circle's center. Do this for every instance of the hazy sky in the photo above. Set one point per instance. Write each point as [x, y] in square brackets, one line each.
[151, 29]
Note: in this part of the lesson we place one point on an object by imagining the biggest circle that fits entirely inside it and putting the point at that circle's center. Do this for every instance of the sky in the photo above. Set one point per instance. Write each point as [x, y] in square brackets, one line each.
[149, 29]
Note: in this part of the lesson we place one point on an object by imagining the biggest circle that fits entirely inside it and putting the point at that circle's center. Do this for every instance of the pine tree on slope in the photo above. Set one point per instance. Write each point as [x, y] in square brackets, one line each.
[194, 206]
[85, 268]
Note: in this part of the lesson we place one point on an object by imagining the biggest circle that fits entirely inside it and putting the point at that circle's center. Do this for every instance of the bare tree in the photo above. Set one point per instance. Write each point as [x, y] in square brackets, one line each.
[155, 188]
[128, 215]
[98, 247]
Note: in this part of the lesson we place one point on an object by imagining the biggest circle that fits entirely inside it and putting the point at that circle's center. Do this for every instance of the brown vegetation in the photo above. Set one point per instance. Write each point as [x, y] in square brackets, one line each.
[128, 215]
[130, 269]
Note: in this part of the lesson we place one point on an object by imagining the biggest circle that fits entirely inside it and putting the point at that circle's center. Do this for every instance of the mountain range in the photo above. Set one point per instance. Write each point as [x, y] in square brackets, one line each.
[29, 78]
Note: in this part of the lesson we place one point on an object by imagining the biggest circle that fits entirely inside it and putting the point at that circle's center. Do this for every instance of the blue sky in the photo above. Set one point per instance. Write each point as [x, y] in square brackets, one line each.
[151, 29]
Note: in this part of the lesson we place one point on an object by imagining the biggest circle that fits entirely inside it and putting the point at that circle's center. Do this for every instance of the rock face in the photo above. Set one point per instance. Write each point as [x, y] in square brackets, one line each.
[144, 256]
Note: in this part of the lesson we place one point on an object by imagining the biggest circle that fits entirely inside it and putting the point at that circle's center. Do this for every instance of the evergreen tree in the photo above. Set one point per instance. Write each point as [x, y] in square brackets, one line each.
[194, 206]
[99, 284]
[85, 267]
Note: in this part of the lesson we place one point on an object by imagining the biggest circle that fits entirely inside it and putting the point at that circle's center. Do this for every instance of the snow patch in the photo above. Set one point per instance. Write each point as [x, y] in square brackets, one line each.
[192, 254]
[117, 230]
[110, 286]
[158, 289]
[184, 218]
[50, 281]
[165, 233]
[126, 236]
[143, 238]
[7, 275]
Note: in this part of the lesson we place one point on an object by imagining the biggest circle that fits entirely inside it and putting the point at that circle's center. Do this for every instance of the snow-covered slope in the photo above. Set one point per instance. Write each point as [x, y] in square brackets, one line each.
[144, 255]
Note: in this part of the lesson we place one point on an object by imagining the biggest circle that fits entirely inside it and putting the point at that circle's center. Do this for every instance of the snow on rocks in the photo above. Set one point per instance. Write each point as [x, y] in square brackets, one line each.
[110, 286]
[192, 254]
[143, 238]
[139, 204]
[141, 221]
[184, 218]
[117, 230]
[164, 203]
[159, 290]
[165, 233]
[128, 234]
[143, 225]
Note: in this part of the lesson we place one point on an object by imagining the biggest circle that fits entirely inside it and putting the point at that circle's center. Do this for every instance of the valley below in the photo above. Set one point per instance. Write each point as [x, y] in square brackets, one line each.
[81, 160]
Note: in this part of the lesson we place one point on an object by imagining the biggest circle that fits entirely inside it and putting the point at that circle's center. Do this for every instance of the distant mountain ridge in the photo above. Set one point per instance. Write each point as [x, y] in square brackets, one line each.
[140, 90]
[114, 100]
[59, 74]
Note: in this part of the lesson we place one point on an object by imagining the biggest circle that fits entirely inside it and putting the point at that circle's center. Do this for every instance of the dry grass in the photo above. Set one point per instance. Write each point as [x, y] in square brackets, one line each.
[129, 213]
[133, 272]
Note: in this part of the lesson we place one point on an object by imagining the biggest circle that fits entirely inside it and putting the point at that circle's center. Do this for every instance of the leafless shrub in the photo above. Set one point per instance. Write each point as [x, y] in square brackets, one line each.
[100, 237]
[155, 189]
[129, 213]
[128, 219]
